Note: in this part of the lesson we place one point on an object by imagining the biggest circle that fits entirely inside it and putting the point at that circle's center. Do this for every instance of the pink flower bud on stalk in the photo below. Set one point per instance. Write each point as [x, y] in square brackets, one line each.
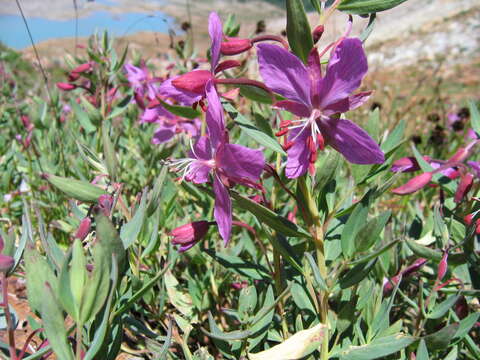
[83, 229]
[409, 270]
[193, 81]
[189, 234]
[83, 68]
[466, 182]
[26, 122]
[317, 33]
[105, 203]
[66, 86]
[414, 184]
[6, 263]
[442, 266]
[235, 46]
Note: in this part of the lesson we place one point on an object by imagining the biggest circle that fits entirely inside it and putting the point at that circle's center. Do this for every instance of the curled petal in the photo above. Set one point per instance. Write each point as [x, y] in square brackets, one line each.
[405, 164]
[347, 104]
[223, 209]
[414, 184]
[284, 73]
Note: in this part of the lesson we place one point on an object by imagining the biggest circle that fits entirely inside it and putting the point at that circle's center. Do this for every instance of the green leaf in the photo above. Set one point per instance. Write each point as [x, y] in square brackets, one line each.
[53, 324]
[356, 274]
[77, 189]
[239, 266]
[78, 273]
[183, 111]
[256, 94]
[422, 352]
[370, 232]
[268, 217]
[109, 242]
[474, 116]
[247, 301]
[361, 7]
[356, 220]
[155, 195]
[298, 29]
[466, 324]
[82, 118]
[36, 264]
[131, 230]
[395, 138]
[441, 339]
[320, 282]
[440, 309]
[109, 152]
[423, 251]
[101, 331]
[281, 244]
[120, 108]
[378, 348]
[216, 333]
[251, 130]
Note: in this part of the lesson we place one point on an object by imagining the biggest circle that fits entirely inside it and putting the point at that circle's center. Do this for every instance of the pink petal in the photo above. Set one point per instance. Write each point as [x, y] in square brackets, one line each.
[345, 71]
[347, 104]
[298, 155]
[182, 96]
[414, 184]
[351, 141]
[223, 209]
[294, 107]
[163, 134]
[216, 34]
[284, 73]
[214, 116]
[238, 161]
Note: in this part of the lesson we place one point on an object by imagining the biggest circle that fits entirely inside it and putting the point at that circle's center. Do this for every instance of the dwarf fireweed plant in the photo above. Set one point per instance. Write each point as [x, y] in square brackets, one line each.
[242, 202]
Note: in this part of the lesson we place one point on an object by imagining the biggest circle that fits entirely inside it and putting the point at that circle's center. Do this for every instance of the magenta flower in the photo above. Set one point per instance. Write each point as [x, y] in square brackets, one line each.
[319, 100]
[227, 163]
[141, 81]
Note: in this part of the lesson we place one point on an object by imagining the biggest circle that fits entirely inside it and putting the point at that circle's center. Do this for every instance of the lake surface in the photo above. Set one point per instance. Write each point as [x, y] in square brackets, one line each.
[14, 34]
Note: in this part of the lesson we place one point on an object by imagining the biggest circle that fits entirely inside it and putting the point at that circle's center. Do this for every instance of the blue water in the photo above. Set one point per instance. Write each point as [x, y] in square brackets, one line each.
[14, 34]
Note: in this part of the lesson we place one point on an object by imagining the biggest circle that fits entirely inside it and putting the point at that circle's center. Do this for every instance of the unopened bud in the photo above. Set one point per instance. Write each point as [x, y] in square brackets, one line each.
[66, 86]
[405, 164]
[468, 219]
[442, 266]
[235, 46]
[193, 81]
[414, 184]
[6, 263]
[464, 187]
[317, 33]
[189, 234]
[83, 229]
[83, 68]
[105, 202]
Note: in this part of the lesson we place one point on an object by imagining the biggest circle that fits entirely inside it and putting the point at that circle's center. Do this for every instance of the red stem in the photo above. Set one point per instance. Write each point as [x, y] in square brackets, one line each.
[8, 317]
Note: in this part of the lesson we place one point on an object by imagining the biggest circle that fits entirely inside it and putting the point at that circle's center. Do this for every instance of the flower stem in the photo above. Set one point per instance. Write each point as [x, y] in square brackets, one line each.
[316, 229]
[8, 317]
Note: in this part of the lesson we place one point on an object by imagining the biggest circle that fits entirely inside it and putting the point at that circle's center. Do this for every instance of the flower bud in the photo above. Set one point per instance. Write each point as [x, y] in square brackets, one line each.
[235, 46]
[83, 68]
[442, 266]
[405, 164]
[193, 81]
[66, 86]
[464, 187]
[189, 234]
[414, 184]
[105, 203]
[317, 33]
[6, 263]
[83, 229]
[468, 219]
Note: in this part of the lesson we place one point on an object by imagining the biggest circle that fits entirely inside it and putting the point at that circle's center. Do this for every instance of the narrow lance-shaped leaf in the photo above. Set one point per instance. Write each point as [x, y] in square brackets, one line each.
[361, 7]
[298, 29]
